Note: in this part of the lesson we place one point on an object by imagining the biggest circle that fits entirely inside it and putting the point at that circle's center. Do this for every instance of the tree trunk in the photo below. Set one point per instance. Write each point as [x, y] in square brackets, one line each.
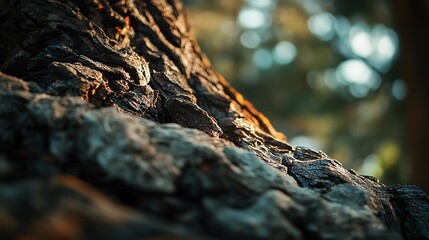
[113, 125]
[412, 19]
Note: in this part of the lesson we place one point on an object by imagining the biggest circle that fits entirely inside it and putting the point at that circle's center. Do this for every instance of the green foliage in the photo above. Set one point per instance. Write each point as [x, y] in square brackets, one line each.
[324, 72]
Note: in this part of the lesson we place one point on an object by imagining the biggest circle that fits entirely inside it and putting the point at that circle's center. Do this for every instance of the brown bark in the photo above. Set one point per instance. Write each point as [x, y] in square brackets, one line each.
[86, 104]
[183, 83]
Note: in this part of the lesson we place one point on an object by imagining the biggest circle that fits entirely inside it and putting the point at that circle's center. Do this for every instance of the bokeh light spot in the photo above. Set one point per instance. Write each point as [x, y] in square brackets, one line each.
[315, 80]
[386, 47]
[372, 166]
[322, 25]
[359, 76]
[284, 52]
[250, 39]
[399, 89]
[262, 58]
[361, 43]
[389, 153]
[261, 3]
[342, 26]
[357, 71]
[253, 18]
[306, 141]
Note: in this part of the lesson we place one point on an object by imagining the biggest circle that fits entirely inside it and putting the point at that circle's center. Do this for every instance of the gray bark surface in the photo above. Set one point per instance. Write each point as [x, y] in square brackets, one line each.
[113, 125]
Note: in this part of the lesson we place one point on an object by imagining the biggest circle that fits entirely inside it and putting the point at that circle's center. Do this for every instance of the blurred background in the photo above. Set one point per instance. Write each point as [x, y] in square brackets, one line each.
[343, 76]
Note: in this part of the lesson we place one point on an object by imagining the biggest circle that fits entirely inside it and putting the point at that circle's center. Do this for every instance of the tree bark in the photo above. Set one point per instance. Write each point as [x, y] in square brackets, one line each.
[113, 125]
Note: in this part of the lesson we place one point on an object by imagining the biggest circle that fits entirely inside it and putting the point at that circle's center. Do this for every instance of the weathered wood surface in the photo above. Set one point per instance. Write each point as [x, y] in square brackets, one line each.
[113, 125]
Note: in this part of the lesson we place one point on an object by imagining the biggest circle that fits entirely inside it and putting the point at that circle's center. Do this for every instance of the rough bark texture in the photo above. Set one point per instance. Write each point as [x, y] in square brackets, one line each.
[113, 125]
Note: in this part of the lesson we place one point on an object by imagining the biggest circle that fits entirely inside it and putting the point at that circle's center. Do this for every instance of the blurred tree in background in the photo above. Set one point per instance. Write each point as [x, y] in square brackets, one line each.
[324, 72]
[412, 20]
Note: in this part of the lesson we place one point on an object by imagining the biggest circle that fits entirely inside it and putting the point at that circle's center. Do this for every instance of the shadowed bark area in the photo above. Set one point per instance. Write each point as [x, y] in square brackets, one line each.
[113, 125]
